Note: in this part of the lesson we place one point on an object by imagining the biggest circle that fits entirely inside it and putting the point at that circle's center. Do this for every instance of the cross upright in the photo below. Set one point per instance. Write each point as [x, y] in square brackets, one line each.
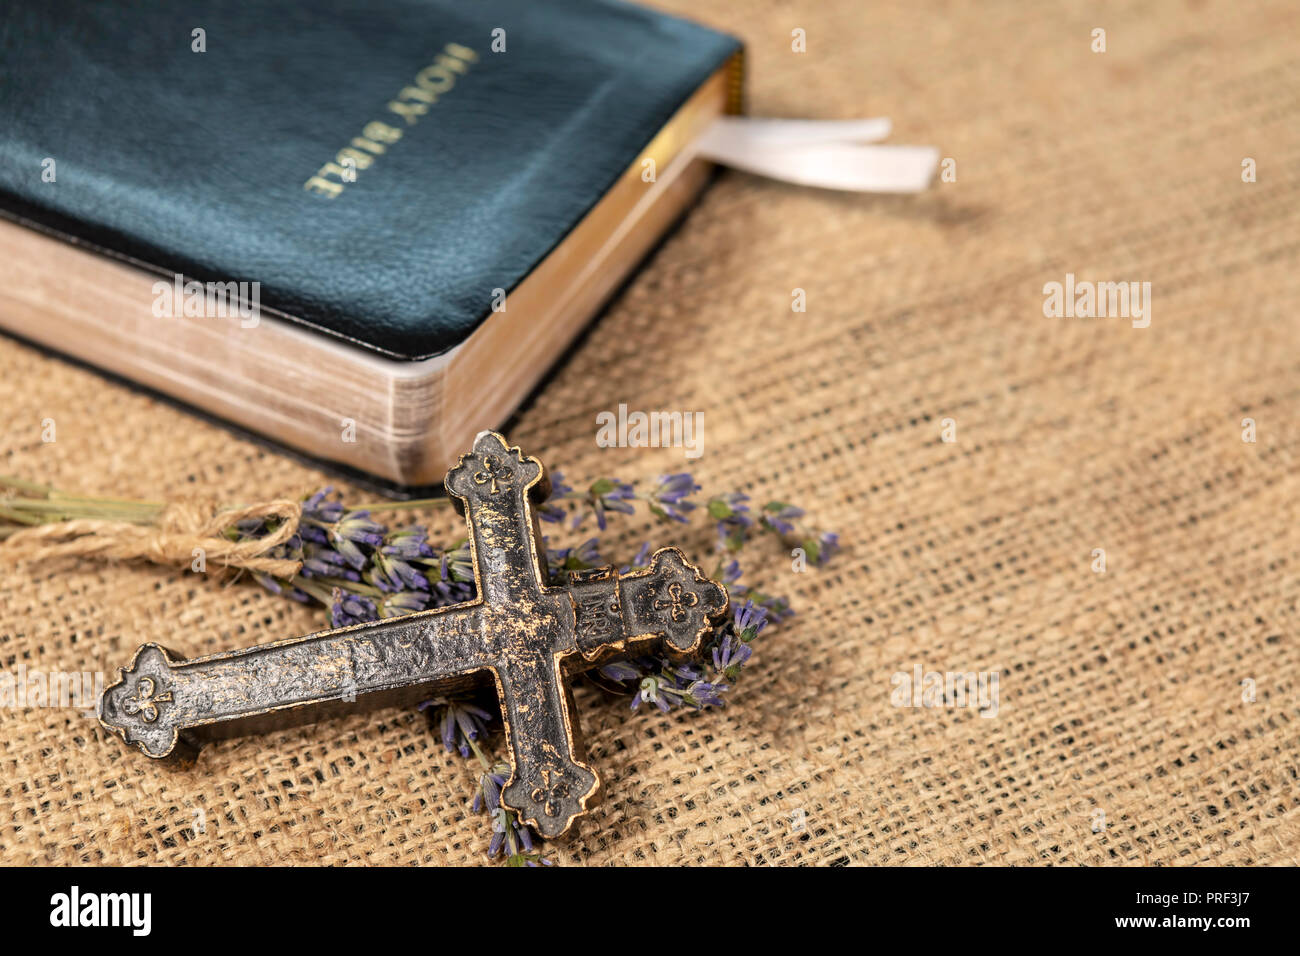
[520, 633]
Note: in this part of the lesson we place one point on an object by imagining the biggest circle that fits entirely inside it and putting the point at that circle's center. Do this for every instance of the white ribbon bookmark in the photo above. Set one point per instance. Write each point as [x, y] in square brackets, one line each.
[831, 154]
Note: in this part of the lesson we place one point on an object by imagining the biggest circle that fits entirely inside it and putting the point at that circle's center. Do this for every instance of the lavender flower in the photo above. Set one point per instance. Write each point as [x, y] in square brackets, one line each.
[489, 788]
[457, 564]
[585, 555]
[322, 561]
[610, 494]
[729, 658]
[509, 836]
[639, 560]
[317, 510]
[404, 602]
[459, 721]
[824, 547]
[731, 512]
[392, 568]
[749, 619]
[668, 500]
[552, 510]
[668, 685]
[449, 588]
[678, 688]
[652, 689]
[353, 530]
[620, 671]
[701, 694]
[779, 607]
[731, 574]
[348, 608]
[286, 590]
[779, 516]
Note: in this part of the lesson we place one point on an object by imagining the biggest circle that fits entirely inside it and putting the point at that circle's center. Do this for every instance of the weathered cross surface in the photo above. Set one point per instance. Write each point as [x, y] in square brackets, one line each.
[520, 633]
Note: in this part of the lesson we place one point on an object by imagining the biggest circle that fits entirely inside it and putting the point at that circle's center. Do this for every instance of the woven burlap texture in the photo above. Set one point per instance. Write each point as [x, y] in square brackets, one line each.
[1123, 735]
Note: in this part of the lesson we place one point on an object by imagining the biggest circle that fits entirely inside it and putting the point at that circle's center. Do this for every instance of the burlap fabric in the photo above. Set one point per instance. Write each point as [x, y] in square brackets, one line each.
[1121, 692]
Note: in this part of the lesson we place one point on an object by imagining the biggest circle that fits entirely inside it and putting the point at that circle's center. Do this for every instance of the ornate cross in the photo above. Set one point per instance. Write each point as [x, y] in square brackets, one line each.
[520, 633]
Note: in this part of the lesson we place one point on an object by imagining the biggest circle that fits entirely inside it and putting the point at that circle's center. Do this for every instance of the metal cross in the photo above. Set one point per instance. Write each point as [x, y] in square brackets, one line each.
[520, 633]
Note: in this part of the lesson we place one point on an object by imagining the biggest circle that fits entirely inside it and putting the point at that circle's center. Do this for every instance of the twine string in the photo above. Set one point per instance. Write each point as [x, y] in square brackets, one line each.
[181, 528]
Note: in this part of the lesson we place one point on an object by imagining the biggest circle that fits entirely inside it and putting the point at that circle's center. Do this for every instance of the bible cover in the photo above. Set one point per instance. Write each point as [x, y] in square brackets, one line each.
[382, 170]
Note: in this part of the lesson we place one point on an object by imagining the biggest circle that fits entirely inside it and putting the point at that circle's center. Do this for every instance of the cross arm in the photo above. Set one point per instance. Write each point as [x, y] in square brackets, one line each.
[669, 604]
[167, 706]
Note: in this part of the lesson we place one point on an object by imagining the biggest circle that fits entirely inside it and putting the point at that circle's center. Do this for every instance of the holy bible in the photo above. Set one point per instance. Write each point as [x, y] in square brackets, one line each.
[363, 231]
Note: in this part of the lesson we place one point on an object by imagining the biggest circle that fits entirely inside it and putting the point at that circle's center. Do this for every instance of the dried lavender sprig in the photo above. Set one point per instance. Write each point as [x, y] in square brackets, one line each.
[460, 721]
[735, 522]
[783, 519]
[731, 513]
[668, 685]
[730, 574]
[463, 725]
[510, 837]
[668, 500]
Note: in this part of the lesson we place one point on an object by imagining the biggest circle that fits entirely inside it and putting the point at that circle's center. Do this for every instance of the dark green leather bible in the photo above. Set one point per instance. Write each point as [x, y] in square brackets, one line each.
[362, 230]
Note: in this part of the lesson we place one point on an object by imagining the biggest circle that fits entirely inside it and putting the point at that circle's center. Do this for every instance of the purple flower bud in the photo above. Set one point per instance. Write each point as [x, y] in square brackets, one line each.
[351, 608]
[751, 618]
[778, 515]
